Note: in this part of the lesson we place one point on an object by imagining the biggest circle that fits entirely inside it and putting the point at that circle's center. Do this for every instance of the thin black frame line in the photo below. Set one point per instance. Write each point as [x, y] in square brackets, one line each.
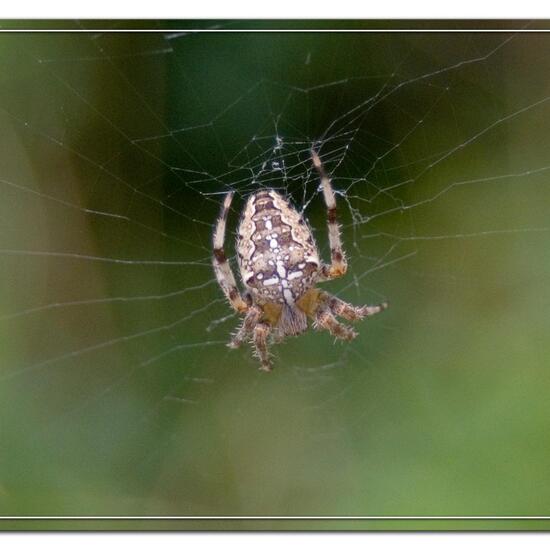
[278, 518]
[196, 31]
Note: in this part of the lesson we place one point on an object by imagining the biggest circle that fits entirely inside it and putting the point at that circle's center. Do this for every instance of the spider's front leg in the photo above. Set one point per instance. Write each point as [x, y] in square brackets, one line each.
[251, 319]
[328, 306]
[351, 312]
[324, 319]
[260, 337]
[252, 326]
[338, 263]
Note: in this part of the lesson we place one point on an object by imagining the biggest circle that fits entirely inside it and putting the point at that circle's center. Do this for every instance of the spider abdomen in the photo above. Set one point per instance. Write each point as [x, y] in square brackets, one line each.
[277, 255]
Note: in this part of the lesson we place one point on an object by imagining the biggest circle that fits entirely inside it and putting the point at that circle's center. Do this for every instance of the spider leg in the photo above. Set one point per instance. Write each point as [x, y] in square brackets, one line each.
[250, 321]
[224, 275]
[324, 319]
[351, 312]
[338, 265]
[259, 338]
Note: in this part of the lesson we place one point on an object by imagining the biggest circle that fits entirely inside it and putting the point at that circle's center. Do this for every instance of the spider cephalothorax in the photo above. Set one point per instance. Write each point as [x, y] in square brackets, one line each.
[280, 265]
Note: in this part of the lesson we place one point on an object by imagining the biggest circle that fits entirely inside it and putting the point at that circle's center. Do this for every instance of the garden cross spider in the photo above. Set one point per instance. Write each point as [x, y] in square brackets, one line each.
[280, 265]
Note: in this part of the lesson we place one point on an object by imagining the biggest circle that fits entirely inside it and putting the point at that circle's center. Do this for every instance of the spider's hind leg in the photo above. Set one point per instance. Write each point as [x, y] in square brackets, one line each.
[224, 275]
[338, 263]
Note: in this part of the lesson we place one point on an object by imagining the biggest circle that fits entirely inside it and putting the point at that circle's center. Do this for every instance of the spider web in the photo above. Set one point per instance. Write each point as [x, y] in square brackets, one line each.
[119, 394]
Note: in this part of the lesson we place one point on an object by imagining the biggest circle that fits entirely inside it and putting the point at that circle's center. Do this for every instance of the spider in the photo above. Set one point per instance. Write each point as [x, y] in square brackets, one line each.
[280, 266]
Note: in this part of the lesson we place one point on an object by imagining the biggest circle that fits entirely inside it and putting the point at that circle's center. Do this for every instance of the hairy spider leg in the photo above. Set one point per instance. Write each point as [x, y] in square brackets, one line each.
[247, 326]
[224, 275]
[351, 312]
[324, 319]
[339, 264]
[259, 338]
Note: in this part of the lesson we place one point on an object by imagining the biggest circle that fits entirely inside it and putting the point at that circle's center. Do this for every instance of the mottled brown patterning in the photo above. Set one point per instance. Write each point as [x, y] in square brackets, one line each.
[279, 266]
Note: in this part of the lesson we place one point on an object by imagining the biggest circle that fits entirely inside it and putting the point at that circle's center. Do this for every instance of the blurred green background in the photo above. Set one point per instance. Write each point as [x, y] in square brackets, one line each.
[117, 393]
